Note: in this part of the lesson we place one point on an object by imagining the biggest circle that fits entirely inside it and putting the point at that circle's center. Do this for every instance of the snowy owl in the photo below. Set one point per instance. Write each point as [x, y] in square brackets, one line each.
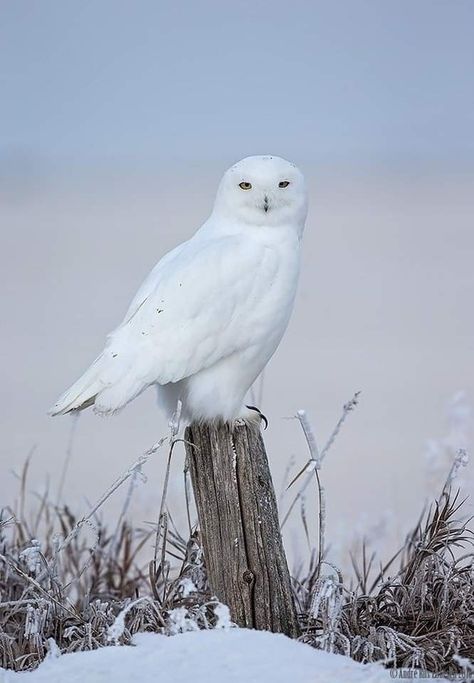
[212, 312]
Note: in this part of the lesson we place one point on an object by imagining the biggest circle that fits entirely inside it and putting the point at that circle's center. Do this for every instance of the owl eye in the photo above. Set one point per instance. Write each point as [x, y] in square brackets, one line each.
[284, 183]
[245, 186]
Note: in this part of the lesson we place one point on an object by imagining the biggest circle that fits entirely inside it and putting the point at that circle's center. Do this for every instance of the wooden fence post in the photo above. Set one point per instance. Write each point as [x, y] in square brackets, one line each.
[238, 518]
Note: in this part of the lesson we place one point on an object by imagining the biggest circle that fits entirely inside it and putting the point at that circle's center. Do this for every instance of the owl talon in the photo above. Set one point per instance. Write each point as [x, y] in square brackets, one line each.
[262, 416]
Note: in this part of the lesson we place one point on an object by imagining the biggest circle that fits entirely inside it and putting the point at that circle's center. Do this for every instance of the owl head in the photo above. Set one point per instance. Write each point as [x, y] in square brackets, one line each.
[263, 191]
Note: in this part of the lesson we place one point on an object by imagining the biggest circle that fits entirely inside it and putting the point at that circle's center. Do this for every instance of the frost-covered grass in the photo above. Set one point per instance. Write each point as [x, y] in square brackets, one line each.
[69, 583]
[418, 609]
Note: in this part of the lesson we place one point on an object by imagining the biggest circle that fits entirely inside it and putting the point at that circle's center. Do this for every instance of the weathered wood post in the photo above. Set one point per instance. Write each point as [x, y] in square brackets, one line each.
[238, 518]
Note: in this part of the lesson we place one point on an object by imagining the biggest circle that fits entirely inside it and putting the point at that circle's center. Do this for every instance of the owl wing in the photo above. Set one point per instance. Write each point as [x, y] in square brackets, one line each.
[198, 305]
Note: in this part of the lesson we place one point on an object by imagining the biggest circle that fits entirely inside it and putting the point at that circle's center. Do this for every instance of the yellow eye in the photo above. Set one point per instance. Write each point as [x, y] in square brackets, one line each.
[284, 183]
[245, 186]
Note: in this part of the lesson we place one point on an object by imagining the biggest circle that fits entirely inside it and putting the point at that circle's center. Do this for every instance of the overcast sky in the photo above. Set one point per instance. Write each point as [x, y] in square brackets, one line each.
[356, 81]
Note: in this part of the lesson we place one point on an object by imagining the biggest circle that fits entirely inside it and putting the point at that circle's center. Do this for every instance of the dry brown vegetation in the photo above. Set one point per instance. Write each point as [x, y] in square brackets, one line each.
[67, 588]
[419, 614]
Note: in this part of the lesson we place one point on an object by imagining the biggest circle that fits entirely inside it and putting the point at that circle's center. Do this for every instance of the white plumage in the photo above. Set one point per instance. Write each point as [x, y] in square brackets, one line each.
[209, 316]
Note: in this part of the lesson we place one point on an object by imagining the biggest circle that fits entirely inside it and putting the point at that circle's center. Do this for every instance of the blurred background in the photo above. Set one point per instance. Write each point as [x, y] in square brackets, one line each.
[117, 120]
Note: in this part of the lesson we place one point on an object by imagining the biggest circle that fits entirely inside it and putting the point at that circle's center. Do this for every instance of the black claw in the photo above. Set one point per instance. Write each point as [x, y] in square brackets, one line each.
[264, 419]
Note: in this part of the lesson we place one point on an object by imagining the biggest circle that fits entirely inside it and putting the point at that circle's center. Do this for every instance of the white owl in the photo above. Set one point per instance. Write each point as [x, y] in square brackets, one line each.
[212, 312]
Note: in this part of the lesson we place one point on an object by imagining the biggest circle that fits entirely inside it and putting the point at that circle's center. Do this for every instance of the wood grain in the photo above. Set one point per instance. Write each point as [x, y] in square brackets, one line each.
[238, 518]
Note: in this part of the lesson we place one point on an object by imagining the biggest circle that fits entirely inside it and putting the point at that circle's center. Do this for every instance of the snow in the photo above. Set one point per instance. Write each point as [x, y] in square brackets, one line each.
[215, 656]
[32, 557]
[187, 587]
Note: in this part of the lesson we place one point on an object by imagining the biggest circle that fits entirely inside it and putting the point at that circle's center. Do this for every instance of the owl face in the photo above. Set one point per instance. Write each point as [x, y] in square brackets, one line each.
[263, 190]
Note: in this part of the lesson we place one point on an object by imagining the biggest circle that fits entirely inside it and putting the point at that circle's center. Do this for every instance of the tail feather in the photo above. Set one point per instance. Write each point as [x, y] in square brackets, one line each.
[108, 385]
[82, 393]
[114, 397]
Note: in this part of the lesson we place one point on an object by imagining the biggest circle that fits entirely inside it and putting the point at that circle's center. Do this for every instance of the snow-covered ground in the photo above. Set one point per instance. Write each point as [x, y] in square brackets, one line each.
[216, 656]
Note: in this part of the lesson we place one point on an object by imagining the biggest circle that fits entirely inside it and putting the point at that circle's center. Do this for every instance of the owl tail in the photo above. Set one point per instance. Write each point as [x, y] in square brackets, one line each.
[108, 385]
[82, 393]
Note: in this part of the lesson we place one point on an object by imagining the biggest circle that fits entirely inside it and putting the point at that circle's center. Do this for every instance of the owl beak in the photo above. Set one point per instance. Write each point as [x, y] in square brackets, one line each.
[265, 204]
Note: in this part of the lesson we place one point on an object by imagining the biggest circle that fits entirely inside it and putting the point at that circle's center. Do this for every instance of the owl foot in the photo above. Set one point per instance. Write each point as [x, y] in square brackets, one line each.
[251, 414]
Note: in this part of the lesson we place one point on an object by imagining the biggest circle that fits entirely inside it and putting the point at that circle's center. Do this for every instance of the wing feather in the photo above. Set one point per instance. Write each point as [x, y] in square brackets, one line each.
[191, 314]
[198, 305]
